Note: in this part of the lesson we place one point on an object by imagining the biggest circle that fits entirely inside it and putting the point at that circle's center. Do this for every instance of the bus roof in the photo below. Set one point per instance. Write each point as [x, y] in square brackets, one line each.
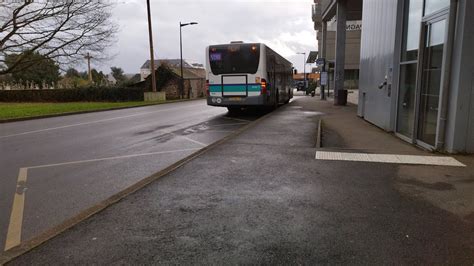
[283, 60]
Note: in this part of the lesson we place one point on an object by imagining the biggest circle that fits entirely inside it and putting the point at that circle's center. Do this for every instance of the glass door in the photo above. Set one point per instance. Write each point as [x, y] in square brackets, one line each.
[434, 33]
[413, 12]
[423, 44]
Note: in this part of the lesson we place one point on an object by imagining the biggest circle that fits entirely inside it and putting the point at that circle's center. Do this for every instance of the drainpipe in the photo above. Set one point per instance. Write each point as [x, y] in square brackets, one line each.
[443, 112]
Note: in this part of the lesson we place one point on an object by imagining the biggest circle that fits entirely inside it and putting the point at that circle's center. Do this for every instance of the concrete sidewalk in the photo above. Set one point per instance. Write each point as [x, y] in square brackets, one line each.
[262, 198]
[449, 188]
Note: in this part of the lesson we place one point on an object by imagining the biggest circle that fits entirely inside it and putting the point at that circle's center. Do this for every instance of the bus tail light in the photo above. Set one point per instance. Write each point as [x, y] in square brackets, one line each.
[263, 84]
[207, 88]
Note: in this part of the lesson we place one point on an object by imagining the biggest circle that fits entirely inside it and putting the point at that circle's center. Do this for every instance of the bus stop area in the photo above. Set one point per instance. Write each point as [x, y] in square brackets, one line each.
[262, 197]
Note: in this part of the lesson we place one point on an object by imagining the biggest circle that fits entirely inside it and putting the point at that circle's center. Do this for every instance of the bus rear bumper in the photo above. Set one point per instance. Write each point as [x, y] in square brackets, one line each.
[236, 101]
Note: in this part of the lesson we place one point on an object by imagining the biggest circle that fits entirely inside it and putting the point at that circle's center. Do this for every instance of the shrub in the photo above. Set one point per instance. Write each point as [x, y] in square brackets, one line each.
[90, 94]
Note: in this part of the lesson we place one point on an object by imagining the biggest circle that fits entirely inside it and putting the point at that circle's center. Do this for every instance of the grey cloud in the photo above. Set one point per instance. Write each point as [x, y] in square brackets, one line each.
[286, 26]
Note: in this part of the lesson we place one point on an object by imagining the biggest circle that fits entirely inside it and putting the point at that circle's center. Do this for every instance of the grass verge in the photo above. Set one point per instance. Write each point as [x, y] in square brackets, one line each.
[25, 110]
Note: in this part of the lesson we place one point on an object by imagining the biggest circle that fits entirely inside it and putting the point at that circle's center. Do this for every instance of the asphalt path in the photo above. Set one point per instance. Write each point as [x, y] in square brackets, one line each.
[262, 198]
[53, 168]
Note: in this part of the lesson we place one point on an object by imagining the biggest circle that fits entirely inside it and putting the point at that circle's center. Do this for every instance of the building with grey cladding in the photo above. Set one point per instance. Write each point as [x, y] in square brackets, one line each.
[416, 69]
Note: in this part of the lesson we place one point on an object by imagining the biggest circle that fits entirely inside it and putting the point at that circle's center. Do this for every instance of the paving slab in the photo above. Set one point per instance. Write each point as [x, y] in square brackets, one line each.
[449, 188]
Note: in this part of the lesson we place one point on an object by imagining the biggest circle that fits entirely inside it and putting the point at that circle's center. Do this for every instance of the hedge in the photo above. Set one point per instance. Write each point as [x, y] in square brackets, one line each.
[92, 94]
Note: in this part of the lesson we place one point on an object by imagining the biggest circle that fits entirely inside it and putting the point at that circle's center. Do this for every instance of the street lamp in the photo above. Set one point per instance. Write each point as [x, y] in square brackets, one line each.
[181, 52]
[304, 68]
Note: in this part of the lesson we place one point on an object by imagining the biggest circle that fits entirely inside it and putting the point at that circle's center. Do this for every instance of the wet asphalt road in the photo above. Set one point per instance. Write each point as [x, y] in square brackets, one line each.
[262, 198]
[76, 161]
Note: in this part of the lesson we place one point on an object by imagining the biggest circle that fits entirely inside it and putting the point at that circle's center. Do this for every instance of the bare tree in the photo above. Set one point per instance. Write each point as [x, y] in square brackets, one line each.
[60, 30]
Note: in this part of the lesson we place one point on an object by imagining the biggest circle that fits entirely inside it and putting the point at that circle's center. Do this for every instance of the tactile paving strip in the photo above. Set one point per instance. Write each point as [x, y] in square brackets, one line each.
[388, 158]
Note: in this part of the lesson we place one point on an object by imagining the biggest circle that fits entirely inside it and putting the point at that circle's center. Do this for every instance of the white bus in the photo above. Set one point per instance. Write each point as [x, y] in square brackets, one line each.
[243, 75]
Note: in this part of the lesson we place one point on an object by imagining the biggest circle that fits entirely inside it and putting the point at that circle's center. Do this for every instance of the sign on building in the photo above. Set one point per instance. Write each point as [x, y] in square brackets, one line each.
[351, 25]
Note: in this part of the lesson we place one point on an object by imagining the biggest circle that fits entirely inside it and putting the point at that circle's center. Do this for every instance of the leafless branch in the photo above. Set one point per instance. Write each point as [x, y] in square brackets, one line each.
[60, 30]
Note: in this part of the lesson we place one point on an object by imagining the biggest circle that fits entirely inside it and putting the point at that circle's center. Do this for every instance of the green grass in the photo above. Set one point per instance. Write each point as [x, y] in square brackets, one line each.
[22, 110]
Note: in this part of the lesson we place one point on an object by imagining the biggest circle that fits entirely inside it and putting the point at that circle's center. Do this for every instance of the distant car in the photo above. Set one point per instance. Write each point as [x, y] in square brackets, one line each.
[300, 86]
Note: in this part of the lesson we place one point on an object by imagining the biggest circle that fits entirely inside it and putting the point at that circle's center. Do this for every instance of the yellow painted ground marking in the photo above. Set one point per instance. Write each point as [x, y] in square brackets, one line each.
[16, 216]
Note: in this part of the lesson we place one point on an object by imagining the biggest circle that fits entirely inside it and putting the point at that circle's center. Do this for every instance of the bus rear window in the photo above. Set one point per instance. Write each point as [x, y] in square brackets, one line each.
[234, 59]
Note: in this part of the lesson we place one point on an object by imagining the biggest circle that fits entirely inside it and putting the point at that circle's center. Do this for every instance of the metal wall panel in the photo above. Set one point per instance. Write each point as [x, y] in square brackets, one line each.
[470, 136]
[460, 124]
[379, 25]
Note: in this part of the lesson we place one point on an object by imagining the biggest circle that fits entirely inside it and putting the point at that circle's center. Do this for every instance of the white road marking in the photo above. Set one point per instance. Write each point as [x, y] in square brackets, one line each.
[184, 137]
[388, 158]
[197, 142]
[13, 238]
[111, 158]
[94, 122]
[192, 140]
[16, 218]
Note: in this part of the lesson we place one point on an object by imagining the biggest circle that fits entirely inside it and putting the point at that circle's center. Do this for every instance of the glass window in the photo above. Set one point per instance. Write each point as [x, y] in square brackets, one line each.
[406, 99]
[234, 58]
[411, 30]
[437, 33]
[432, 6]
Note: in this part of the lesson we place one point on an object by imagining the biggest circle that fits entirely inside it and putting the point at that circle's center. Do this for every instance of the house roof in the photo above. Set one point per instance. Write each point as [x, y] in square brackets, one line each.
[169, 62]
[189, 73]
[313, 55]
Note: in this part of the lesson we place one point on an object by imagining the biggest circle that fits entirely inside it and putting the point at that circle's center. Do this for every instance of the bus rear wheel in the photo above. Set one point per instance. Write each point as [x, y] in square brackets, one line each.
[277, 101]
[288, 98]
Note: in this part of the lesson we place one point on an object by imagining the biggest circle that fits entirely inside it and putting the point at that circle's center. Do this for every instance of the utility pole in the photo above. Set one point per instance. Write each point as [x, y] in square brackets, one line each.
[181, 84]
[152, 59]
[89, 73]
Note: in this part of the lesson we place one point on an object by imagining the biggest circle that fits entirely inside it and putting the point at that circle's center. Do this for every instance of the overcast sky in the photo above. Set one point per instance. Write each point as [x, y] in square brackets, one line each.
[284, 25]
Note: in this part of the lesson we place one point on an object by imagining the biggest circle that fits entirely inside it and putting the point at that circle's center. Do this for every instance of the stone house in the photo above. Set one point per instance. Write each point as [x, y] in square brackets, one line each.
[168, 79]
[145, 69]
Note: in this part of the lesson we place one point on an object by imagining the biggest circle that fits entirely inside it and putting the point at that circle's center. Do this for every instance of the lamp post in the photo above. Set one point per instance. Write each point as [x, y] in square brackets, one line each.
[152, 59]
[304, 69]
[181, 25]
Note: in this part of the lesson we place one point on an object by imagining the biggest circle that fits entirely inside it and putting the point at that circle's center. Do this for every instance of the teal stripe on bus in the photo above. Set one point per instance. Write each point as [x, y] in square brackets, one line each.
[232, 88]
